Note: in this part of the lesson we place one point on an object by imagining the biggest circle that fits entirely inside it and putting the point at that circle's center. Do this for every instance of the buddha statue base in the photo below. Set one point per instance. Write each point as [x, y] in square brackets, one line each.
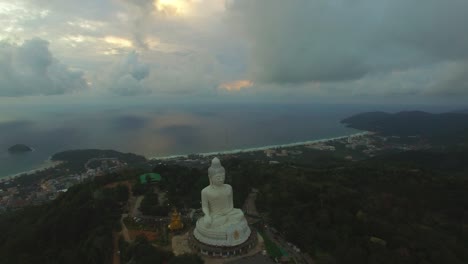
[224, 236]
[223, 251]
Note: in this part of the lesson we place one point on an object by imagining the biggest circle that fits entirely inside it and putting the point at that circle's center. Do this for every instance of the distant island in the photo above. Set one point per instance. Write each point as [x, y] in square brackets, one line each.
[19, 148]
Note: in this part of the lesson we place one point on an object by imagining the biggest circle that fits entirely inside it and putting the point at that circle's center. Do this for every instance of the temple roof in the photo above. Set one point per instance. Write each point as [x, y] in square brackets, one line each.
[153, 177]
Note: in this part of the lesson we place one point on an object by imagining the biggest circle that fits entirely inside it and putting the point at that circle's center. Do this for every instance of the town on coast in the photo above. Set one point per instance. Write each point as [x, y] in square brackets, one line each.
[43, 184]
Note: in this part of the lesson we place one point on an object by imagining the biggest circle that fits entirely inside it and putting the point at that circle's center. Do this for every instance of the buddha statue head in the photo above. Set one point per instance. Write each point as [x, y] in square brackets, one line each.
[216, 173]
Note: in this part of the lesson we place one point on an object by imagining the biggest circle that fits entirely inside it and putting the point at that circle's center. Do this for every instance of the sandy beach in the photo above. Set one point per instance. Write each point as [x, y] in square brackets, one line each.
[245, 150]
[46, 165]
[50, 164]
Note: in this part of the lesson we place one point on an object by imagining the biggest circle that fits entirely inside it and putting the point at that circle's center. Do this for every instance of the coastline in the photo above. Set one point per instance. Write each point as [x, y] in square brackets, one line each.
[46, 165]
[246, 150]
[51, 164]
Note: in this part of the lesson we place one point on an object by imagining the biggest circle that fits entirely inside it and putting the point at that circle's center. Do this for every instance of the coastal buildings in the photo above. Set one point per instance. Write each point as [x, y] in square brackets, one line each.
[270, 153]
[52, 182]
[14, 194]
[321, 146]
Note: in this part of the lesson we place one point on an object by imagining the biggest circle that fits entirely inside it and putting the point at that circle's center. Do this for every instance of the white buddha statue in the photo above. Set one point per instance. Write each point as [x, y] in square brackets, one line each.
[222, 225]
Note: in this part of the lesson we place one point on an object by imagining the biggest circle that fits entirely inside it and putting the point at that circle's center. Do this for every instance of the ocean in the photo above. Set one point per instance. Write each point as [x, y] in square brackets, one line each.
[158, 130]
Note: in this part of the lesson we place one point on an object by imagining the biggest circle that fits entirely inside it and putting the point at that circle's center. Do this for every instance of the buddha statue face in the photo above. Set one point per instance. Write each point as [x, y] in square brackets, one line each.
[216, 173]
[218, 179]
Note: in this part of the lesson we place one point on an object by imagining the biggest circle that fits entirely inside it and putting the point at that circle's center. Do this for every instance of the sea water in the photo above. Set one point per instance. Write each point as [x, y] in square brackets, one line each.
[156, 130]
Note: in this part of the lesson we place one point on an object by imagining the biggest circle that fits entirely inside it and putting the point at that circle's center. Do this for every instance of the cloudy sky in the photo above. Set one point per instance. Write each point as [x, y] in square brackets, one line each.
[245, 50]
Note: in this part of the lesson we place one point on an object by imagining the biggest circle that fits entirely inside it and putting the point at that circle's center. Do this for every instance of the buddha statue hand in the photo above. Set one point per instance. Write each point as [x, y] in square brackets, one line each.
[208, 220]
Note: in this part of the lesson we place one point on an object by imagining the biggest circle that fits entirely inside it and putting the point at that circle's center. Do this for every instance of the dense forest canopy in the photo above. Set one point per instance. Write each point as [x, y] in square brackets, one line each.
[75, 228]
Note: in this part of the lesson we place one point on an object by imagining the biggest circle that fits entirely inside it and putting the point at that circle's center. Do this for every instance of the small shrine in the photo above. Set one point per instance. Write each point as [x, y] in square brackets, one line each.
[176, 222]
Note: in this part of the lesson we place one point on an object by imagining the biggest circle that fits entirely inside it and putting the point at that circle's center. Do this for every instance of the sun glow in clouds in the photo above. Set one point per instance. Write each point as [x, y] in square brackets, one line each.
[236, 85]
[121, 42]
[173, 7]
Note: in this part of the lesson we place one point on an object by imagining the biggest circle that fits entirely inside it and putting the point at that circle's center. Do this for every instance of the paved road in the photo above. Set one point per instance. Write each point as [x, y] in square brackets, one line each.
[249, 206]
[124, 228]
[135, 211]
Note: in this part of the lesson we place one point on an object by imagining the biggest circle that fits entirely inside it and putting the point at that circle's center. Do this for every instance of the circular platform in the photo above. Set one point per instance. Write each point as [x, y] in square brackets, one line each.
[221, 251]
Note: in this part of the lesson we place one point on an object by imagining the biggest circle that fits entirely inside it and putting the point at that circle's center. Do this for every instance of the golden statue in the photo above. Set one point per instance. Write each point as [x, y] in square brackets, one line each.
[176, 222]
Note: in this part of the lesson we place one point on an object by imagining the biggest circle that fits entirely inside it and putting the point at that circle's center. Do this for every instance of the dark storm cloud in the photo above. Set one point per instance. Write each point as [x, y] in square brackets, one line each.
[31, 69]
[300, 41]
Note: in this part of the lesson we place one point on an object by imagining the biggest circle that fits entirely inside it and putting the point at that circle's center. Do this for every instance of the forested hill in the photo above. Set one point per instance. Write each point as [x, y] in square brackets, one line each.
[398, 208]
[75, 228]
[414, 123]
[79, 227]
[76, 159]
[85, 154]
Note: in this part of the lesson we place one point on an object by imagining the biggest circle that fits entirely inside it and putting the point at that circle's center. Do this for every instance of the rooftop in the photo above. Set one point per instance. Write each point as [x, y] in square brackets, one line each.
[152, 177]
